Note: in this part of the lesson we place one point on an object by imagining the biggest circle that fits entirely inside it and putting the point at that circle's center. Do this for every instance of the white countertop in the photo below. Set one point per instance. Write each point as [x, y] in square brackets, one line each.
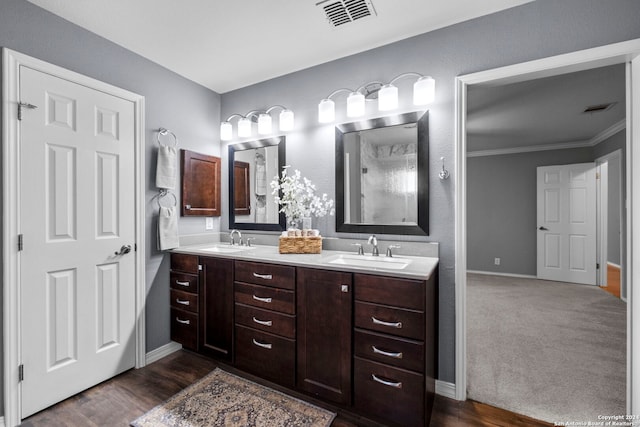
[419, 267]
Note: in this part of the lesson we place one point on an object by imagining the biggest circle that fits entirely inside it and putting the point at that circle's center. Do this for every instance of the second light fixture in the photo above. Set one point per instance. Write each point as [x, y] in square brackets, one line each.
[423, 93]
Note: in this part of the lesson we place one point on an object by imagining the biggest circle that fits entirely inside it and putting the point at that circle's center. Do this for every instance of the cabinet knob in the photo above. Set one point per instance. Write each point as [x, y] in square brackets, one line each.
[345, 288]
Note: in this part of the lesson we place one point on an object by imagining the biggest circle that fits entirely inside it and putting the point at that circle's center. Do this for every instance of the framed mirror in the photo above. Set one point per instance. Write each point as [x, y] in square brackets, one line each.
[252, 167]
[382, 175]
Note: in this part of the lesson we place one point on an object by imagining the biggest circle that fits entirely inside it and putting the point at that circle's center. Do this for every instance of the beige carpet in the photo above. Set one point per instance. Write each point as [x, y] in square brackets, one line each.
[223, 399]
[553, 351]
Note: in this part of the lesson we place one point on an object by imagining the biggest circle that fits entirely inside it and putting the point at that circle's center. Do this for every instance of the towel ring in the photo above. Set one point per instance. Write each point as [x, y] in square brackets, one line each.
[163, 132]
[163, 194]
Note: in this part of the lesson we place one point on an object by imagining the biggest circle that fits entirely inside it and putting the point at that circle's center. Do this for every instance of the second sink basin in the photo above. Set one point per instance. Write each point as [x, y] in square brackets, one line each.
[369, 261]
[226, 248]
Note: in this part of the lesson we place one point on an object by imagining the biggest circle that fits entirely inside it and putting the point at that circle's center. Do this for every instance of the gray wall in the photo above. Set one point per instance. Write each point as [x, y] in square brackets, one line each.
[535, 30]
[188, 109]
[501, 210]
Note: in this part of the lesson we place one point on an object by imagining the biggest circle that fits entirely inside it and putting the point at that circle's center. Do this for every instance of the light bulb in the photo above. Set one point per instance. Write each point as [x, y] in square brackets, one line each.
[355, 104]
[286, 120]
[326, 111]
[226, 131]
[387, 98]
[424, 91]
[264, 124]
[244, 127]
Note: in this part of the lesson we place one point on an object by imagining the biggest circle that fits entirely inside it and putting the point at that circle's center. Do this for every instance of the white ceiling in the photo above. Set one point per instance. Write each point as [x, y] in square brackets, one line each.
[225, 44]
[545, 111]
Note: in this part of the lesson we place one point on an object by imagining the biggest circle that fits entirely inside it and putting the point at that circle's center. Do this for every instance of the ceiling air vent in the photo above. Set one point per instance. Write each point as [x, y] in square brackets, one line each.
[346, 11]
[598, 108]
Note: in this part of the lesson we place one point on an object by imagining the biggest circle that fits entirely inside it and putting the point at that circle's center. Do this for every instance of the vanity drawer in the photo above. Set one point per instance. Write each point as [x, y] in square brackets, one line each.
[184, 300]
[266, 320]
[389, 393]
[184, 282]
[184, 328]
[184, 263]
[400, 352]
[403, 293]
[390, 320]
[278, 276]
[265, 297]
[267, 355]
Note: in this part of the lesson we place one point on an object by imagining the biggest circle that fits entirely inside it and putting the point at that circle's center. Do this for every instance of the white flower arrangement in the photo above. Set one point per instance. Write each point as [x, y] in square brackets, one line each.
[299, 199]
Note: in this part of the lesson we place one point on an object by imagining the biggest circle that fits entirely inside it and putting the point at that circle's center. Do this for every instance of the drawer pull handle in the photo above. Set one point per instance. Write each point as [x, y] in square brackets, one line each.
[259, 344]
[184, 322]
[179, 301]
[376, 350]
[263, 276]
[267, 300]
[178, 282]
[263, 322]
[397, 325]
[387, 383]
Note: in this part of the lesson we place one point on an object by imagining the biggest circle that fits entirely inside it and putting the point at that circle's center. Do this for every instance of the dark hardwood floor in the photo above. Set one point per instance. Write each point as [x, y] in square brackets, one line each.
[124, 398]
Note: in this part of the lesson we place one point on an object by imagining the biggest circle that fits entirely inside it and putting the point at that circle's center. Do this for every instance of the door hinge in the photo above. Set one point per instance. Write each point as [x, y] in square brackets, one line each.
[597, 266]
[597, 175]
[20, 373]
[26, 105]
[20, 242]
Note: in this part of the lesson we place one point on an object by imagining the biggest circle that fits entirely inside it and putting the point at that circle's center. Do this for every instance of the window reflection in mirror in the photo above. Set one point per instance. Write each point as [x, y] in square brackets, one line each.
[252, 167]
[382, 175]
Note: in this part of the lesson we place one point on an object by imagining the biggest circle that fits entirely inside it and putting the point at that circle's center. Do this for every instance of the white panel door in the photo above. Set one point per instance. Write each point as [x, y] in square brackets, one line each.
[567, 223]
[77, 295]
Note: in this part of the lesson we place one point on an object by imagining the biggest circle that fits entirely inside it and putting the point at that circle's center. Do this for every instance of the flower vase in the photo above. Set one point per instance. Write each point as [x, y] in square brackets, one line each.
[306, 223]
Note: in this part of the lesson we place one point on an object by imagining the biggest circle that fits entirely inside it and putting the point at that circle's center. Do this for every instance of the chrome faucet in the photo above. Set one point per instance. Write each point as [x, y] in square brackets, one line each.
[233, 240]
[360, 250]
[374, 241]
[389, 254]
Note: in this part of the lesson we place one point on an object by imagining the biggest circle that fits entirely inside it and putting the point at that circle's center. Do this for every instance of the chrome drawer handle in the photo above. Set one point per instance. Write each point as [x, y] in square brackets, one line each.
[263, 322]
[262, 299]
[178, 282]
[387, 383]
[385, 353]
[179, 301]
[397, 325]
[184, 322]
[263, 276]
[259, 344]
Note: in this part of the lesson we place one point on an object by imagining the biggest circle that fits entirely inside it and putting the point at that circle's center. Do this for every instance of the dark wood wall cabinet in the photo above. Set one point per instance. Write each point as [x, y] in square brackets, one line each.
[241, 188]
[363, 343]
[201, 176]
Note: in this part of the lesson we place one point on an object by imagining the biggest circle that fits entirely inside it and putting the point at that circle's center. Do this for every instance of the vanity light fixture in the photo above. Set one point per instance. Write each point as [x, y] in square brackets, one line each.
[245, 123]
[387, 94]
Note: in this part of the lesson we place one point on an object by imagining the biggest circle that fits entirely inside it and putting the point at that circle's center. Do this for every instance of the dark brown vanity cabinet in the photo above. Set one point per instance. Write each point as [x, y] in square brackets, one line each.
[324, 334]
[183, 289]
[394, 349]
[216, 307]
[265, 320]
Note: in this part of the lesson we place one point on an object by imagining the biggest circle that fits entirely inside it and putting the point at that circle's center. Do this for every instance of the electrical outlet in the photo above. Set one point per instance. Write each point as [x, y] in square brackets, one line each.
[208, 223]
[496, 261]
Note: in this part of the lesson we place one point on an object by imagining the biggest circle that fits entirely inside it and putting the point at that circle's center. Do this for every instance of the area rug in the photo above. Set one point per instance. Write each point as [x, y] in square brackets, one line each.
[224, 399]
[549, 350]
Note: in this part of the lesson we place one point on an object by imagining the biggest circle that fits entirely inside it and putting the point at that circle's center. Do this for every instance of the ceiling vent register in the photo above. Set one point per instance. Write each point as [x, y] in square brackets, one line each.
[346, 11]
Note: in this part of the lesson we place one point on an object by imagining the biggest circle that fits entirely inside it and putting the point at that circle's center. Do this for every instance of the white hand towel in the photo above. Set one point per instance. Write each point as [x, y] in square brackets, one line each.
[166, 167]
[168, 228]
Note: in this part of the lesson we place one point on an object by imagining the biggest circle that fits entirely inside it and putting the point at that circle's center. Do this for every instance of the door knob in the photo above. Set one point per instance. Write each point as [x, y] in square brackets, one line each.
[125, 249]
[543, 229]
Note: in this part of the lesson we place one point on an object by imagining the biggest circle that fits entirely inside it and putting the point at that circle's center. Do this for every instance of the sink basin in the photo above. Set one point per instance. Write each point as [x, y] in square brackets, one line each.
[365, 261]
[225, 248]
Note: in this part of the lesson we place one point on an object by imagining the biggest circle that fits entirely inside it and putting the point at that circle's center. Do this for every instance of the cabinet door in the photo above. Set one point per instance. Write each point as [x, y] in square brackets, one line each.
[200, 184]
[216, 307]
[324, 334]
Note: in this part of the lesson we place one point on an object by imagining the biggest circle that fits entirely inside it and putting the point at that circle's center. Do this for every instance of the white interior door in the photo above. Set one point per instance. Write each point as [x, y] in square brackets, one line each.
[567, 223]
[77, 297]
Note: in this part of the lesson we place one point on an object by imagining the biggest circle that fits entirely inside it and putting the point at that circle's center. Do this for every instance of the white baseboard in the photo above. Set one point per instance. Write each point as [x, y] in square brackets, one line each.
[2, 422]
[493, 273]
[614, 265]
[446, 389]
[162, 351]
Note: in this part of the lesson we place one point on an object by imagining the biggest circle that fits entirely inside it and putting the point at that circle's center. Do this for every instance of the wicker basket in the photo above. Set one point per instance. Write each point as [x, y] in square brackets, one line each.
[300, 245]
